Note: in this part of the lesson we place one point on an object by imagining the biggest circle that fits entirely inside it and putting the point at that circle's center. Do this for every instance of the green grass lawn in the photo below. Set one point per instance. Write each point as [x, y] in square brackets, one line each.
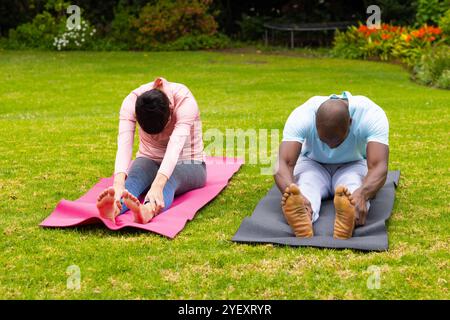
[58, 127]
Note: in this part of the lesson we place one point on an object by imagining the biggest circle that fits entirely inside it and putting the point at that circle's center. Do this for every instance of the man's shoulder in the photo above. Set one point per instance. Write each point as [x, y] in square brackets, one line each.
[364, 102]
[365, 108]
[311, 105]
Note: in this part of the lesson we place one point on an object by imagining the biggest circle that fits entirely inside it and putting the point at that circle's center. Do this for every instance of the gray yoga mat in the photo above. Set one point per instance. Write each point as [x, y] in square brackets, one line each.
[268, 225]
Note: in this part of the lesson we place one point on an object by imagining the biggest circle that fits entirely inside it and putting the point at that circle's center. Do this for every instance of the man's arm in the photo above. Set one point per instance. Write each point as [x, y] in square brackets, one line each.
[377, 164]
[287, 158]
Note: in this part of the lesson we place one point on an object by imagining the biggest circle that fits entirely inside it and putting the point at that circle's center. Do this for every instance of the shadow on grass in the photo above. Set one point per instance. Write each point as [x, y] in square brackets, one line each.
[98, 229]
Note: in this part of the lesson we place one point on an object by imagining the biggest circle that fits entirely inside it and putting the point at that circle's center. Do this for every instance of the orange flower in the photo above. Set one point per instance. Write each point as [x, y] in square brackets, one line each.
[386, 36]
[436, 30]
[363, 28]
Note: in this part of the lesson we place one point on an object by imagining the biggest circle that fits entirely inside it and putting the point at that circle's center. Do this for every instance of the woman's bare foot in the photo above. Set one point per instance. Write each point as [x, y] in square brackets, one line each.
[345, 214]
[296, 212]
[106, 204]
[142, 213]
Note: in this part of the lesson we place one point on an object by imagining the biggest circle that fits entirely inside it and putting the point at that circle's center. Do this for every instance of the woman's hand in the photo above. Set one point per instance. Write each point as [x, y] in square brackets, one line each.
[118, 191]
[155, 199]
[155, 194]
[119, 187]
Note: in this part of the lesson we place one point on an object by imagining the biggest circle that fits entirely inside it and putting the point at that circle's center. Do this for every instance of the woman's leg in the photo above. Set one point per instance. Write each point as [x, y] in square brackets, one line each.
[185, 177]
[140, 177]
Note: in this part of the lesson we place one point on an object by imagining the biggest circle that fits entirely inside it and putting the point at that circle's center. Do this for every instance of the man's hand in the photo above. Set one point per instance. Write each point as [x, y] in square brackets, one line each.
[377, 164]
[287, 159]
[360, 202]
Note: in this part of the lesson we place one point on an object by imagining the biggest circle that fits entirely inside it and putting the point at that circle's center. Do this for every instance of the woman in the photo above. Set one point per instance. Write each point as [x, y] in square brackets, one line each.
[170, 159]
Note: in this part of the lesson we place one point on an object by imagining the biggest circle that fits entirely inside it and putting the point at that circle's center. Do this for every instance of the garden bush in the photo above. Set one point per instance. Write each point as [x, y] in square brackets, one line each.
[48, 30]
[80, 37]
[123, 33]
[423, 50]
[161, 25]
[166, 21]
[430, 11]
[444, 24]
[386, 43]
[39, 33]
[434, 68]
[252, 27]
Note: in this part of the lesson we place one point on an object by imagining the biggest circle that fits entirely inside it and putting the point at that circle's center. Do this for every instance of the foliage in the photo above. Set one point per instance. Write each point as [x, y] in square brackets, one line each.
[39, 33]
[434, 68]
[203, 41]
[79, 37]
[423, 50]
[168, 20]
[386, 43]
[252, 27]
[444, 23]
[430, 11]
[48, 30]
[123, 31]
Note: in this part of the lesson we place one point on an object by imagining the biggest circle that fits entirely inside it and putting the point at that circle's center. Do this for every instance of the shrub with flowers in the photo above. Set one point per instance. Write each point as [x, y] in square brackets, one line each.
[387, 42]
[415, 47]
[78, 37]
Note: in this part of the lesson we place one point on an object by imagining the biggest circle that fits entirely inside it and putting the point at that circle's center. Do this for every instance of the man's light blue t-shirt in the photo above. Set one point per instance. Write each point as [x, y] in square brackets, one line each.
[369, 123]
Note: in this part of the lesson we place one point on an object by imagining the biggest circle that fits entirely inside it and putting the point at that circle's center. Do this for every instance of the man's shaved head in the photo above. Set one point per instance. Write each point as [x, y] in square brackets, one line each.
[333, 122]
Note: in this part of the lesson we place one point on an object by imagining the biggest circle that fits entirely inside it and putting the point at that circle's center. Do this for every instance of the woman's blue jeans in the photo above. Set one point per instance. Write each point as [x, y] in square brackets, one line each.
[187, 175]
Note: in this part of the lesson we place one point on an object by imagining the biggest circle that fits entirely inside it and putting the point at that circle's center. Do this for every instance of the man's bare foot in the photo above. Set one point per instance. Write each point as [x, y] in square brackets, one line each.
[106, 204]
[296, 212]
[142, 213]
[344, 223]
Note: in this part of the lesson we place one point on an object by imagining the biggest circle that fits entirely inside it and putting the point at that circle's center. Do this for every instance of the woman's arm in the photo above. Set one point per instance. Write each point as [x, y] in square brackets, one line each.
[186, 114]
[125, 139]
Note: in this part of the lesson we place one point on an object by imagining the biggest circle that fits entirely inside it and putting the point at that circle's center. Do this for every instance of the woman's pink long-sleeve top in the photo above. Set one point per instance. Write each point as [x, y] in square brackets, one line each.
[181, 139]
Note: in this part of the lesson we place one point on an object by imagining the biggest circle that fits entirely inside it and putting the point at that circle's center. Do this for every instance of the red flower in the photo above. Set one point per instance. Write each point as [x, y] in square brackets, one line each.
[435, 30]
[363, 28]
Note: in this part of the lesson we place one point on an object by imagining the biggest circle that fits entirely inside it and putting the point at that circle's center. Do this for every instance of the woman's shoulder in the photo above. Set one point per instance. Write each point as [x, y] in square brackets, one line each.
[142, 88]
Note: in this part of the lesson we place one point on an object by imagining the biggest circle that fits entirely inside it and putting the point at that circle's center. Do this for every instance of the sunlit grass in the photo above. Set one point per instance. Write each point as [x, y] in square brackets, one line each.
[58, 126]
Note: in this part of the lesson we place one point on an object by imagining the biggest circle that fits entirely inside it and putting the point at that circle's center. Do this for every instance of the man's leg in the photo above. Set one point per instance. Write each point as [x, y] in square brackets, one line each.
[313, 183]
[350, 175]
[345, 181]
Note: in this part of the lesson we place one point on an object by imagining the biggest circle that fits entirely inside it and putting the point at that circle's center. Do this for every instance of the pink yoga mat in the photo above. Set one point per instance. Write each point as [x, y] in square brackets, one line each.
[169, 223]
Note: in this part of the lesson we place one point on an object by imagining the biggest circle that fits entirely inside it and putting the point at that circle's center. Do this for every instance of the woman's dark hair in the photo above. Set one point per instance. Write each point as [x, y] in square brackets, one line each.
[152, 111]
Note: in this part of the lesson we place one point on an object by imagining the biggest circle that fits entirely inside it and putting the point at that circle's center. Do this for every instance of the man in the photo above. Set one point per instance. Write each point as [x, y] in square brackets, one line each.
[332, 145]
